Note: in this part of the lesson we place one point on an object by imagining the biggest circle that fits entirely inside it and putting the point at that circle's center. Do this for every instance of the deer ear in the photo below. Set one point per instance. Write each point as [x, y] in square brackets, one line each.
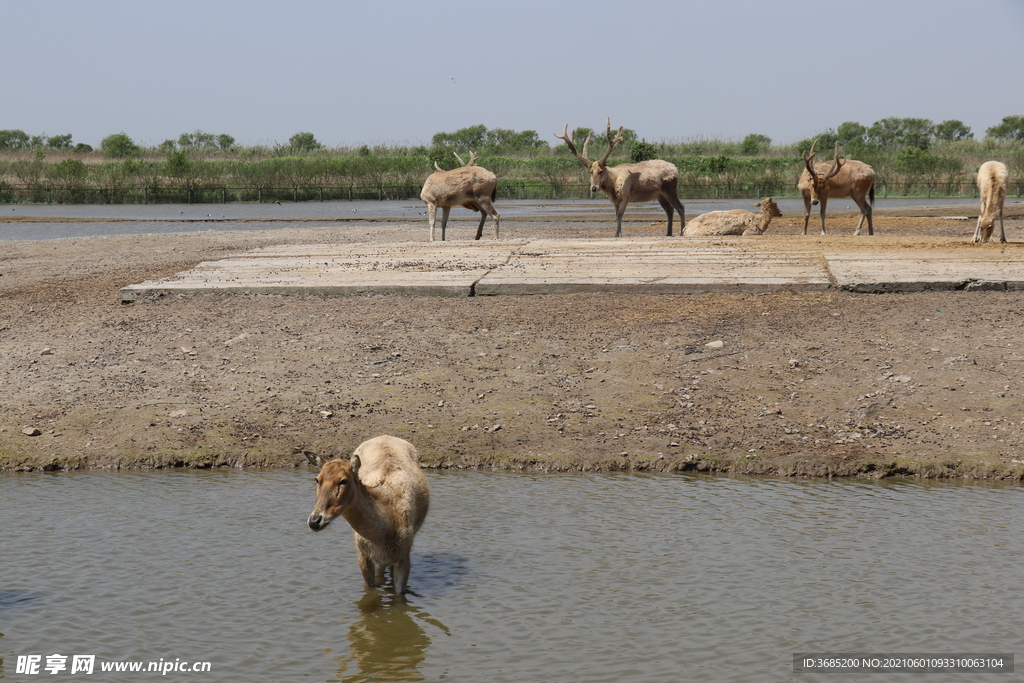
[355, 465]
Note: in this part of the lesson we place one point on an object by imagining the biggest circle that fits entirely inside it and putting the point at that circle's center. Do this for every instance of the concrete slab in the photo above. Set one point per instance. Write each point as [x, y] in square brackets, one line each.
[876, 271]
[543, 266]
[657, 266]
[427, 269]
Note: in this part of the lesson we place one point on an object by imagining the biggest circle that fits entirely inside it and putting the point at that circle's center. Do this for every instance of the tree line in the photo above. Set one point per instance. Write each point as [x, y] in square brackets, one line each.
[902, 150]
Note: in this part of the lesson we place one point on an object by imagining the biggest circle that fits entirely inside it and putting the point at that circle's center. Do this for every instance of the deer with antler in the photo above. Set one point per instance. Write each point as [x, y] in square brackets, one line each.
[469, 186]
[837, 178]
[625, 183]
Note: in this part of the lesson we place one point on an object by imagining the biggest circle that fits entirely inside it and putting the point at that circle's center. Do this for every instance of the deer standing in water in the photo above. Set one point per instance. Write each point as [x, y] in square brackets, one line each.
[384, 496]
[625, 183]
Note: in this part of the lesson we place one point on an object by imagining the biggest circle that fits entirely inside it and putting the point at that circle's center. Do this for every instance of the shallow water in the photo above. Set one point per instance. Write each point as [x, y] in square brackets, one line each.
[134, 219]
[515, 577]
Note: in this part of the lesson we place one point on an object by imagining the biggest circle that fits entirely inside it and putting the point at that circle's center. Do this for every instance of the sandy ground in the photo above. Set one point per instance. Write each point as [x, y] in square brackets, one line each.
[834, 383]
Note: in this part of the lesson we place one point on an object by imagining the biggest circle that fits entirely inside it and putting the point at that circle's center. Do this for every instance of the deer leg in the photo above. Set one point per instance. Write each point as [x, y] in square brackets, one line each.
[431, 217]
[367, 569]
[400, 575]
[682, 213]
[823, 201]
[445, 210]
[620, 210]
[668, 211]
[487, 209]
[865, 212]
[480, 226]
[807, 212]
[977, 230]
[1002, 232]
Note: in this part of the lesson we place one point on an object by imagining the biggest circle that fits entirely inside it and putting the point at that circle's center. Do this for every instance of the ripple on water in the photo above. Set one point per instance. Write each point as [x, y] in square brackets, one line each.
[515, 576]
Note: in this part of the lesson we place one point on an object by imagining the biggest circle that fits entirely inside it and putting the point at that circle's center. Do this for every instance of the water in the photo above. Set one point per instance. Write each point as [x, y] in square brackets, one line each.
[133, 219]
[515, 577]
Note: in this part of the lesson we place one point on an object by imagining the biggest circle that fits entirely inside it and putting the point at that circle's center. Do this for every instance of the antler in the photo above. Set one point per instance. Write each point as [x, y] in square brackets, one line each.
[809, 157]
[838, 164]
[568, 137]
[611, 142]
[473, 156]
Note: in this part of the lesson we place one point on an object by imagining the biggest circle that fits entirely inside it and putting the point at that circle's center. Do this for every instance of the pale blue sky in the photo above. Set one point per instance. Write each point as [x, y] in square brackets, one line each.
[382, 72]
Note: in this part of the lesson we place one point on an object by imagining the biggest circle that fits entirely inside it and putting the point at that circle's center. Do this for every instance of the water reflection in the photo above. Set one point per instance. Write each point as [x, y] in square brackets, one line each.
[12, 600]
[388, 641]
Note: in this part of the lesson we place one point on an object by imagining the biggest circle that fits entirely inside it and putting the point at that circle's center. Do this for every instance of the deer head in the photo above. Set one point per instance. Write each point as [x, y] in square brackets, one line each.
[819, 182]
[598, 168]
[336, 489]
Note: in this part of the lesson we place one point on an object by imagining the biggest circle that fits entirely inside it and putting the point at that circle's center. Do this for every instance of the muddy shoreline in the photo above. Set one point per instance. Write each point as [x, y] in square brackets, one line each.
[802, 384]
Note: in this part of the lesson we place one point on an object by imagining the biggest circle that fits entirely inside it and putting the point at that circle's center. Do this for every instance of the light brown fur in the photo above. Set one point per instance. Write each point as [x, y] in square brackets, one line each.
[735, 222]
[384, 496]
[837, 178]
[625, 183]
[470, 186]
[992, 180]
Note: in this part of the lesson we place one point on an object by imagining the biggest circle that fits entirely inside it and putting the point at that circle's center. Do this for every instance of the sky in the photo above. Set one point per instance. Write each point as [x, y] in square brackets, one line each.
[397, 72]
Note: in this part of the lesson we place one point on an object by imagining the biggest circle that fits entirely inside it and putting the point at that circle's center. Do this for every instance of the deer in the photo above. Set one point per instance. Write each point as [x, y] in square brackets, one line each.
[992, 181]
[625, 183]
[470, 186]
[838, 178]
[735, 222]
[382, 493]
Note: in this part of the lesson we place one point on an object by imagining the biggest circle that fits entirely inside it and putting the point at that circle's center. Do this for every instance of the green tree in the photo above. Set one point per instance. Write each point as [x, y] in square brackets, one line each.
[893, 134]
[755, 144]
[914, 161]
[59, 142]
[642, 151]
[69, 174]
[472, 137]
[303, 142]
[119, 146]
[507, 141]
[13, 140]
[197, 140]
[953, 130]
[82, 148]
[1011, 128]
[225, 142]
[826, 140]
[178, 165]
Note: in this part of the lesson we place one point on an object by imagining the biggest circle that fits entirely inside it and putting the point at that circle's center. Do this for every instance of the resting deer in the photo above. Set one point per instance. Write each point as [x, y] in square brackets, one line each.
[625, 183]
[383, 494]
[992, 181]
[470, 186]
[735, 222]
[837, 178]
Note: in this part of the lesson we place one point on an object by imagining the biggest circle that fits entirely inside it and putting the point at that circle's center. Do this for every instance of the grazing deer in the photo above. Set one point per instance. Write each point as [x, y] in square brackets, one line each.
[838, 178]
[735, 222]
[992, 181]
[471, 186]
[625, 183]
[383, 494]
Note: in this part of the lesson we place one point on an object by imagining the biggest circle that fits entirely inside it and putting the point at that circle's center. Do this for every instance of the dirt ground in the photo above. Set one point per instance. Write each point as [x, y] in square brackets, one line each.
[830, 383]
